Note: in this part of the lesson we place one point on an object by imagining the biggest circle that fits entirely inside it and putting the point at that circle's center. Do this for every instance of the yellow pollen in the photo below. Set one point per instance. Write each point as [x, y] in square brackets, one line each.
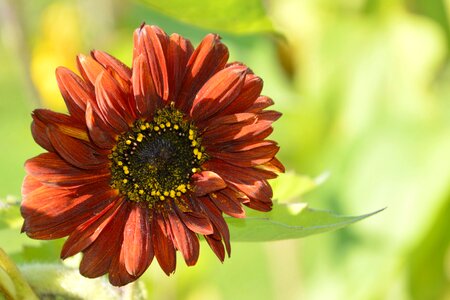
[147, 125]
[199, 155]
[162, 125]
[181, 187]
[156, 128]
[143, 127]
[191, 137]
[158, 193]
[128, 142]
[168, 124]
[120, 163]
[125, 170]
[195, 151]
[194, 170]
[140, 137]
[176, 127]
[178, 194]
[191, 132]
[172, 194]
[153, 193]
[125, 180]
[166, 193]
[141, 192]
[194, 143]
[162, 197]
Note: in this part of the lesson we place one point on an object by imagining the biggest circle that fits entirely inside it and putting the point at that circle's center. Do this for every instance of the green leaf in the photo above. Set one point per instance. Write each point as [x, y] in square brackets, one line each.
[290, 185]
[234, 16]
[10, 213]
[287, 221]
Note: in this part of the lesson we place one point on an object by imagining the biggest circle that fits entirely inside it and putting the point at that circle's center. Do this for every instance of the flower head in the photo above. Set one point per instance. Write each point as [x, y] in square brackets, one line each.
[148, 158]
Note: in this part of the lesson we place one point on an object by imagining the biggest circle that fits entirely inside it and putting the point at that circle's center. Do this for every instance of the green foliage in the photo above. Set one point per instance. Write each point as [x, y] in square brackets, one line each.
[234, 16]
[287, 221]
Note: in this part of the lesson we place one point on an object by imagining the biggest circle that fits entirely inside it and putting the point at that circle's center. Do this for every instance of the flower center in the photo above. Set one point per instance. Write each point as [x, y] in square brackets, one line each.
[154, 160]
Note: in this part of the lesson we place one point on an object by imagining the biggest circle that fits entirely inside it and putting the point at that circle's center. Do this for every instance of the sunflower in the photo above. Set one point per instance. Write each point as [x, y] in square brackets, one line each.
[149, 158]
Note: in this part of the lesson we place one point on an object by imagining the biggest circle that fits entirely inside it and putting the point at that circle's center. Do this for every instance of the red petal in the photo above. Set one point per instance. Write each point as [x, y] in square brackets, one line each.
[274, 166]
[63, 123]
[39, 133]
[53, 213]
[163, 245]
[241, 131]
[207, 59]
[146, 98]
[218, 92]
[253, 187]
[75, 91]
[184, 240]
[98, 256]
[112, 102]
[215, 215]
[29, 184]
[153, 42]
[197, 222]
[178, 53]
[118, 274]
[251, 90]
[76, 152]
[217, 247]
[248, 158]
[89, 69]
[85, 234]
[207, 182]
[138, 248]
[100, 132]
[51, 170]
[227, 202]
[109, 61]
[261, 103]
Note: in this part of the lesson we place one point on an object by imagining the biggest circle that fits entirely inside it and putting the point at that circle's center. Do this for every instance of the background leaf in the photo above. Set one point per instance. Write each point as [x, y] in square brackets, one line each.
[287, 221]
[234, 16]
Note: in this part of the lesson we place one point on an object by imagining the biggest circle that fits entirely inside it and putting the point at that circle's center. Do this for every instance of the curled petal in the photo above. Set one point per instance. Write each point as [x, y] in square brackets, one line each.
[218, 92]
[197, 222]
[247, 97]
[206, 60]
[207, 182]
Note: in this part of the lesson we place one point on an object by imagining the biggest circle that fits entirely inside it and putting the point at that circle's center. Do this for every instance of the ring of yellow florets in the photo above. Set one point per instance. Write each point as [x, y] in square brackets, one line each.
[155, 159]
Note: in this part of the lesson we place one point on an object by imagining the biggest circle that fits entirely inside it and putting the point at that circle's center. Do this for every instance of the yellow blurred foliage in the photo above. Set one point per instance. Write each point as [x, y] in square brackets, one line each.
[59, 42]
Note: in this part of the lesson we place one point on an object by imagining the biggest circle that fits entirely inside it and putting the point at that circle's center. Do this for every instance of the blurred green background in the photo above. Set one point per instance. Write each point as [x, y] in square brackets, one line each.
[364, 86]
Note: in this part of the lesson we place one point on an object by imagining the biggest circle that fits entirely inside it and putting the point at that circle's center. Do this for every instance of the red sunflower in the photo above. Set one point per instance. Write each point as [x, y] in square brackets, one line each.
[149, 158]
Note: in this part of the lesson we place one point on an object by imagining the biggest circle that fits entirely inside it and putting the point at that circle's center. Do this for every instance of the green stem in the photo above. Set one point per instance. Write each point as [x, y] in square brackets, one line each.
[22, 288]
